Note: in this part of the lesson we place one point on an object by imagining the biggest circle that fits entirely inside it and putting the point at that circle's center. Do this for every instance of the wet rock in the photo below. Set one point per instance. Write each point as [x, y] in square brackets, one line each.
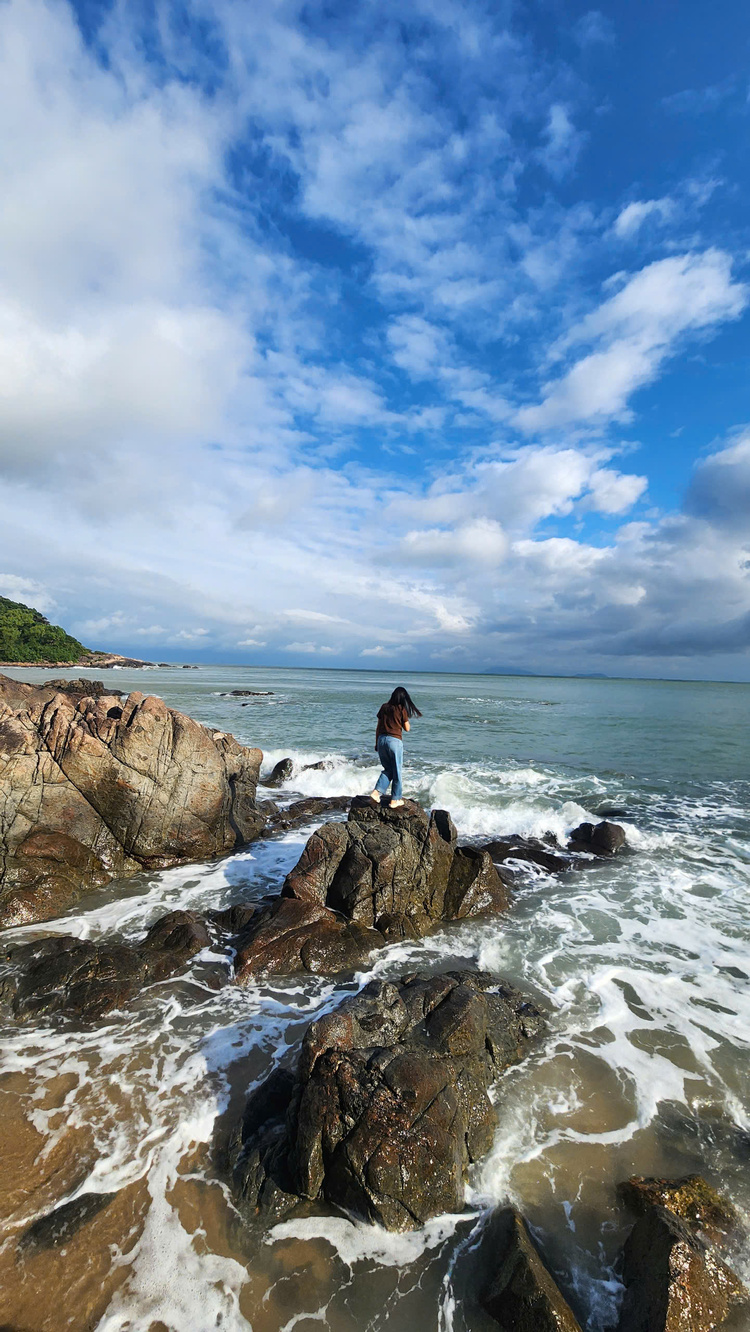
[81, 688]
[673, 1281]
[475, 888]
[522, 1295]
[95, 786]
[691, 1198]
[59, 1226]
[302, 811]
[280, 773]
[233, 919]
[529, 849]
[81, 979]
[381, 862]
[290, 936]
[389, 1104]
[603, 839]
[250, 693]
[324, 765]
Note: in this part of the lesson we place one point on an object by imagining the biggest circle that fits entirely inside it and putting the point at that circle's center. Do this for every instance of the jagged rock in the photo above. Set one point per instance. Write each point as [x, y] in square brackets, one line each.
[529, 849]
[389, 1102]
[290, 936]
[604, 839]
[475, 888]
[673, 1281]
[522, 1295]
[381, 862]
[280, 773]
[81, 688]
[96, 787]
[691, 1198]
[86, 980]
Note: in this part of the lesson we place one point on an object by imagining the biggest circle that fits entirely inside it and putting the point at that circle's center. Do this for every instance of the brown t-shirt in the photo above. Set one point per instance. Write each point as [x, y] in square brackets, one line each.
[391, 721]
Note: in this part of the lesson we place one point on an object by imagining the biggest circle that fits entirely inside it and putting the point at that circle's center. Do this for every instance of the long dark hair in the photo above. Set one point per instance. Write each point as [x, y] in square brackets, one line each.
[400, 699]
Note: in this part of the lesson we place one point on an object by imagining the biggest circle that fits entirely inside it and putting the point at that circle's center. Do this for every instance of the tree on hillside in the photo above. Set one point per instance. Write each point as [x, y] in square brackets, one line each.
[27, 635]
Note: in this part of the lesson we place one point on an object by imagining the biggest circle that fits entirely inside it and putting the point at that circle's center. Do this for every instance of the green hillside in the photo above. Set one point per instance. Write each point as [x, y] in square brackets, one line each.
[26, 635]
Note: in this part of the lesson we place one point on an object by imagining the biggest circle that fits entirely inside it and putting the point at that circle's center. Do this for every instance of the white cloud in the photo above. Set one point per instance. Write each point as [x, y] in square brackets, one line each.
[633, 333]
[26, 590]
[481, 541]
[630, 219]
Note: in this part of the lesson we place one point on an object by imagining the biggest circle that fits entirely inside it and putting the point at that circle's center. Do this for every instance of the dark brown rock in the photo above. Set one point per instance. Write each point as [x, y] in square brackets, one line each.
[291, 936]
[81, 979]
[96, 787]
[603, 839]
[280, 773]
[673, 1281]
[382, 862]
[528, 849]
[475, 888]
[389, 1104]
[301, 811]
[691, 1198]
[522, 1295]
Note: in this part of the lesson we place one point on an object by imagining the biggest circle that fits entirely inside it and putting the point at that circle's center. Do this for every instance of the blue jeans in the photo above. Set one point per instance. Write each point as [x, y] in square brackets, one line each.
[391, 755]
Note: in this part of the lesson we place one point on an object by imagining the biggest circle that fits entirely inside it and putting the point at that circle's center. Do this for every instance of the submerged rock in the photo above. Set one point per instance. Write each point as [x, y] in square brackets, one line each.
[302, 811]
[673, 1281]
[96, 787]
[522, 1295]
[388, 1105]
[531, 850]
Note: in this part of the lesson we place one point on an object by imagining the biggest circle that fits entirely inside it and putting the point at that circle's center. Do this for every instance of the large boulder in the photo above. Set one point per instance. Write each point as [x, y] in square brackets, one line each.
[386, 863]
[674, 1282]
[382, 877]
[280, 773]
[531, 850]
[389, 1102]
[601, 839]
[96, 787]
[522, 1295]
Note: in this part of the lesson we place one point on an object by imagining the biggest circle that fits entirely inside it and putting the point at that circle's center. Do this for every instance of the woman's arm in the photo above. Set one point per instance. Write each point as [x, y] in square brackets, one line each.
[407, 726]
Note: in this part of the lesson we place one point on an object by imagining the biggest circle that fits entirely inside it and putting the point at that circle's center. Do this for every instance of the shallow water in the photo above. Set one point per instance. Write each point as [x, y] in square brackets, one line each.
[641, 964]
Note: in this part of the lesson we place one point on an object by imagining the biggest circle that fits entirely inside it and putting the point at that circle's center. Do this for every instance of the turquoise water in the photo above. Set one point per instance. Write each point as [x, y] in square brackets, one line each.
[642, 965]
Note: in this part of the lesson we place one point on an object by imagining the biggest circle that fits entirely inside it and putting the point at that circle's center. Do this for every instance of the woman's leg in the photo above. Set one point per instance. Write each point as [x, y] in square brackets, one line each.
[398, 761]
[386, 758]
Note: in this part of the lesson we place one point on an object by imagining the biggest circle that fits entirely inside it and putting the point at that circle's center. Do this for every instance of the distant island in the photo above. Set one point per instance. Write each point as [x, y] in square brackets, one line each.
[28, 639]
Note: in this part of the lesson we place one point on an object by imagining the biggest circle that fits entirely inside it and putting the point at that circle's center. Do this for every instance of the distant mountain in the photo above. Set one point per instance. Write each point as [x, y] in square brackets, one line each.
[27, 636]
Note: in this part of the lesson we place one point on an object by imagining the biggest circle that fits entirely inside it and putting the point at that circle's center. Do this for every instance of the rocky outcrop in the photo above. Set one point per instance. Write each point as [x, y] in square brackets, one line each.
[531, 850]
[674, 1282]
[383, 876]
[301, 812]
[388, 1104]
[522, 1295]
[95, 787]
[601, 839]
[81, 979]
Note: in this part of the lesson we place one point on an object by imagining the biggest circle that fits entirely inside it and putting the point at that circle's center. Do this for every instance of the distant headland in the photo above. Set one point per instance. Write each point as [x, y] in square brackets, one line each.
[28, 639]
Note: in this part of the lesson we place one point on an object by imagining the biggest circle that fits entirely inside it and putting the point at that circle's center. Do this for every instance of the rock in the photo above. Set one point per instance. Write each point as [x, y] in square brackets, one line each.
[673, 1281]
[324, 765]
[81, 688]
[603, 839]
[382, 862]
[522, 1295]
[280, 773]
[96, 787]
[85, 980]
[59, 1226]
[691, 1198]
[389, 1104]
[475, 887]
[250, 693]
[301, 811]
[291, 936]
[529, 849]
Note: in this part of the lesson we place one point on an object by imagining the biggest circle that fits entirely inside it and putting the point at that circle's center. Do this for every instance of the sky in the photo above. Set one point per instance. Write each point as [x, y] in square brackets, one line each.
[388, 335]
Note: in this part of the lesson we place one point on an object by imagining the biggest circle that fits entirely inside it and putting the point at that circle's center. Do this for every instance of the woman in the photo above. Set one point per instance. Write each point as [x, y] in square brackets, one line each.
[393, 718]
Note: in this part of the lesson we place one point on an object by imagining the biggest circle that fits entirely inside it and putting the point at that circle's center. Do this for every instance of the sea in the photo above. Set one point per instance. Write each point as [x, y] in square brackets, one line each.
[641, 965]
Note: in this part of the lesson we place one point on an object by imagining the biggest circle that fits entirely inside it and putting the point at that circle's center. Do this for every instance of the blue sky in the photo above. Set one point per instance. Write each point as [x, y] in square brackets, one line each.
[411, 335]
